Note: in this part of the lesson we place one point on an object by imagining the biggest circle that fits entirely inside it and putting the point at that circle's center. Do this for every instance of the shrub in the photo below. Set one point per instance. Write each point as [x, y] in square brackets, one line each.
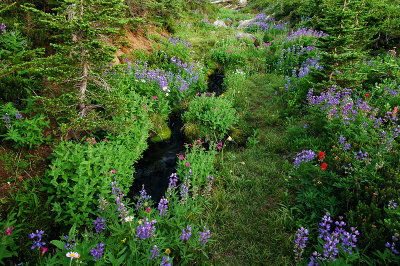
[211, 115]
[23, 131]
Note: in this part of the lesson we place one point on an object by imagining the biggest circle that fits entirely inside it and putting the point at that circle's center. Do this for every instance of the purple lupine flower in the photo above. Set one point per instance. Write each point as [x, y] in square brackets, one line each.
[392, 205]
[97, 252]
[154, 252]
[392, 246]
[334, 240]
[3, 28]
[6, 120]
[165, 261]
[37, 243]
[208, 188]
[143, 197]
[304, 156]
[300, 243]
[341, 139]
[146, 229]
[18, 115]
[116, 191]
[204, 236]
[99, 225]
[163, 206]
[186, 233]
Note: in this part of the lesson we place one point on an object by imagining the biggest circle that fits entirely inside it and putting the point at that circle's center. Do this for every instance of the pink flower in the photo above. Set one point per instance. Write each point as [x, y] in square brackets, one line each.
[44, 250]
[187, 164]
[113, 171]
[395, 110]
[148, 209]
[134, 117]
[9, 229]
[219, 148]
[155, 97]
[105, 139]
[144, 106]
[181, 157]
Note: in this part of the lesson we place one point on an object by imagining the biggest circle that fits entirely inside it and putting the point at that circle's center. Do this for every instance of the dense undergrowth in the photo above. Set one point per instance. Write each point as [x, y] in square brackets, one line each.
[303, 137]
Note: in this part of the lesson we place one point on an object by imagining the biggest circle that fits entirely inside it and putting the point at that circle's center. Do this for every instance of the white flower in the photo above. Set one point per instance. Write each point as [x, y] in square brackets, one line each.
[73, 255]
[166, 94]
[165, 88]
[129, 219]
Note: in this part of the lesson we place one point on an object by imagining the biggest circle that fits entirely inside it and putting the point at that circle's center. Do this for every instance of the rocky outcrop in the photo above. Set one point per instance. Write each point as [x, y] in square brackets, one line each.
[220, 24]
[243, 24]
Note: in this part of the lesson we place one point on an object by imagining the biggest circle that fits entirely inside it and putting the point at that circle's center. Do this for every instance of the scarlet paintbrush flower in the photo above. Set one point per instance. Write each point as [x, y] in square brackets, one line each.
[367, 95]
[321, 155]
[323, 167]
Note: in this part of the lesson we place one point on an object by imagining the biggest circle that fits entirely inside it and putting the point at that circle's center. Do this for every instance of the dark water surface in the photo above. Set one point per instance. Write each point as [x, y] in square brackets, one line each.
[159, 161]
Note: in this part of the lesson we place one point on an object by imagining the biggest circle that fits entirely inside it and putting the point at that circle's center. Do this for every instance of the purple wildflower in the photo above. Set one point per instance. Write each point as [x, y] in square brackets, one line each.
[97, 253]
[146, 229]
[38, 242]
[99, 225]
[300, 243]
[204, 236]
[163, 206]
[165, 261]
[304, 156]
[154, 252]
[186, 233]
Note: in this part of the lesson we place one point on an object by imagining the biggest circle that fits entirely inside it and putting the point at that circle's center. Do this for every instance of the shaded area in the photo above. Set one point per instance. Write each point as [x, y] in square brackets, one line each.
[215, 81]
[159, 162]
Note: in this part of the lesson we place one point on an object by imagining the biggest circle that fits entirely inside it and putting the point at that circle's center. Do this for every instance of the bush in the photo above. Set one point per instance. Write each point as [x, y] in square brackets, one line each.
[23, 131]
[212, 116]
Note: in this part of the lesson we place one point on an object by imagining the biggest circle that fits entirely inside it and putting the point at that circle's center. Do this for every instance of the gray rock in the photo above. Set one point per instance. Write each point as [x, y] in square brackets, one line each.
[242, 3]
[220, 23]
[219, 1]
[243, 24]
[247, 36]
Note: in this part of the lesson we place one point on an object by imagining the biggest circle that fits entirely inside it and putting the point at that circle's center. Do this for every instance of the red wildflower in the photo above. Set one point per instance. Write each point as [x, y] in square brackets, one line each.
[367, 95]
[321, 155]
[323, 167]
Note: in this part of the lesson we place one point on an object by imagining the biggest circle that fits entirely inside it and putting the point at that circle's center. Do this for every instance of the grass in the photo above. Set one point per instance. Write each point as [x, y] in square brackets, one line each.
[252, 223]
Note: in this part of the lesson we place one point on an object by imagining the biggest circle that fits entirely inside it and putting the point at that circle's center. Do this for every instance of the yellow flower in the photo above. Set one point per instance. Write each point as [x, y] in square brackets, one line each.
[167, 251]
[123, 240]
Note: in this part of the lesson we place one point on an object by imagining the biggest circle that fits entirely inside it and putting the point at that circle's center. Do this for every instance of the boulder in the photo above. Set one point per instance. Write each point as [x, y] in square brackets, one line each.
[243, 24]
[242, 35]
[248, 36]
[220, 24]
[242, 3]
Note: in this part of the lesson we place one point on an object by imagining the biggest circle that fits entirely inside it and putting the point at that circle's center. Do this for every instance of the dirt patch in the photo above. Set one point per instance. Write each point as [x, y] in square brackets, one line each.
[137, 40]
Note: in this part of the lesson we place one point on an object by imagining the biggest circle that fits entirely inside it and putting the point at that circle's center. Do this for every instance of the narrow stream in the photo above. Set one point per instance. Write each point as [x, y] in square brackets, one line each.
[159, 162]
[160, 159]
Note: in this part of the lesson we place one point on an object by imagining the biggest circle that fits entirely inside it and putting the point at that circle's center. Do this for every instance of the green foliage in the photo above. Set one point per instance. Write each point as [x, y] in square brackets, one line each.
[123, 238]
[9, 231]
[79, 27]
[199, 161]
[213, 116]
[17, 65]
[23, 131]
[79, 172]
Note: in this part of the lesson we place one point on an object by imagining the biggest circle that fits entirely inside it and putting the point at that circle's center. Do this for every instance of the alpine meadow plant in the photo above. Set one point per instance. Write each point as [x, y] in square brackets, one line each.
[209, 118]
[140, 237]
[23, 132]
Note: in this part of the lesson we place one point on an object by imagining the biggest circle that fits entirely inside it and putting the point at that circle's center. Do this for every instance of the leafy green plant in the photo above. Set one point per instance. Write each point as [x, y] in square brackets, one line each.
[211, 116]
[23, 131]
[9, 231]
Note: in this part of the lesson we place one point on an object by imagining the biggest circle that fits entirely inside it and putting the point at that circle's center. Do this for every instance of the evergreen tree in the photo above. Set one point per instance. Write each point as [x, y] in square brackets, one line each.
[81, 27]
[345, 23]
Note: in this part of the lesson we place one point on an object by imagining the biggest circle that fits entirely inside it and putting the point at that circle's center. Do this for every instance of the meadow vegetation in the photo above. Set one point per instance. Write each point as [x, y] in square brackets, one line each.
[294, 161]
